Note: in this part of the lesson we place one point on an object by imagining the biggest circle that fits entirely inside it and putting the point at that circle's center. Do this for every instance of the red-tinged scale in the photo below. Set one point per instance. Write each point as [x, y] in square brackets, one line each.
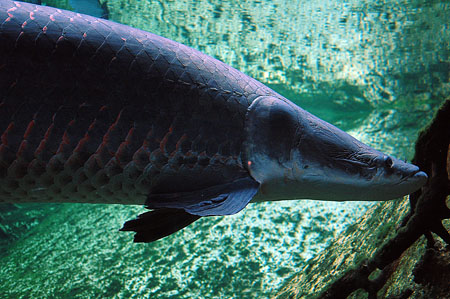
[36, 168]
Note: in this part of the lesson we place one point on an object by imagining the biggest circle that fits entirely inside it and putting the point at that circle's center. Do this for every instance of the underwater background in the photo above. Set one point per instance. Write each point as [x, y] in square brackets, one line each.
[377, 69]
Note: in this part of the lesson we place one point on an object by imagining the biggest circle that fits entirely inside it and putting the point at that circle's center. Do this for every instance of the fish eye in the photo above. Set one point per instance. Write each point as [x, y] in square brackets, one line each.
[388, 162]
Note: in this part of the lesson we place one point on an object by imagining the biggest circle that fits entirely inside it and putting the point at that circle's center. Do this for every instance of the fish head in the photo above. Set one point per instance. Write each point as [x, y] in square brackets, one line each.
[294, 154]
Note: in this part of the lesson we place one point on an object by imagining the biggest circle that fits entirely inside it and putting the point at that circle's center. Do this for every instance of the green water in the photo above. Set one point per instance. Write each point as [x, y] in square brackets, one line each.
[377, 69]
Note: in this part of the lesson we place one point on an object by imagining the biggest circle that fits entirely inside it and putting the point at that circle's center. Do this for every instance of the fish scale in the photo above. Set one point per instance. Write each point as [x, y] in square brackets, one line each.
[95, 111]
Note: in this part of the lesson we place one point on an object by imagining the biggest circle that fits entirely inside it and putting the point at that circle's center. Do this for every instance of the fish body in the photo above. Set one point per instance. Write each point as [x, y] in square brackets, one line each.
[122, 112]
[95, 111]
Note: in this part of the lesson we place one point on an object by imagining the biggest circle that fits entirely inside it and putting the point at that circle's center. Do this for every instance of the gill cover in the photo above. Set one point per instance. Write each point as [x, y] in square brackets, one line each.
[271, 132]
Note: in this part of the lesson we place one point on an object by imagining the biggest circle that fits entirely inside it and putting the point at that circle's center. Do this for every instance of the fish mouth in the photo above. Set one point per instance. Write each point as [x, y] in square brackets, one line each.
[419, 177]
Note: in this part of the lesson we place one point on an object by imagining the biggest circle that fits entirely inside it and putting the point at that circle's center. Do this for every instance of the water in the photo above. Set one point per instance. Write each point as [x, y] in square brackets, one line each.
[376, 69]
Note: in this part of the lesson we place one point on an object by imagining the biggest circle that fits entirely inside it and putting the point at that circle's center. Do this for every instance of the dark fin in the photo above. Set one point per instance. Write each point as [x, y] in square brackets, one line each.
[158, 224]
[225, 199]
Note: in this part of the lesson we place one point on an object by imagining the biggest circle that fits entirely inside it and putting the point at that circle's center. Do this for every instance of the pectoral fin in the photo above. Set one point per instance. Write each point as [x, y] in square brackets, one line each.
[225, 199]
[174, 211]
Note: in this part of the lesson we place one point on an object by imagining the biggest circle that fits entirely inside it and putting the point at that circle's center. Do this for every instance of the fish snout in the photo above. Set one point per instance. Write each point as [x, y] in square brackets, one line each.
[420, 178]
[407, 175]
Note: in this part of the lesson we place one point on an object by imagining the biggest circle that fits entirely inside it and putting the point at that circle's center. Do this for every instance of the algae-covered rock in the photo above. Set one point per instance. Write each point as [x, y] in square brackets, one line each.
[358, 242]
